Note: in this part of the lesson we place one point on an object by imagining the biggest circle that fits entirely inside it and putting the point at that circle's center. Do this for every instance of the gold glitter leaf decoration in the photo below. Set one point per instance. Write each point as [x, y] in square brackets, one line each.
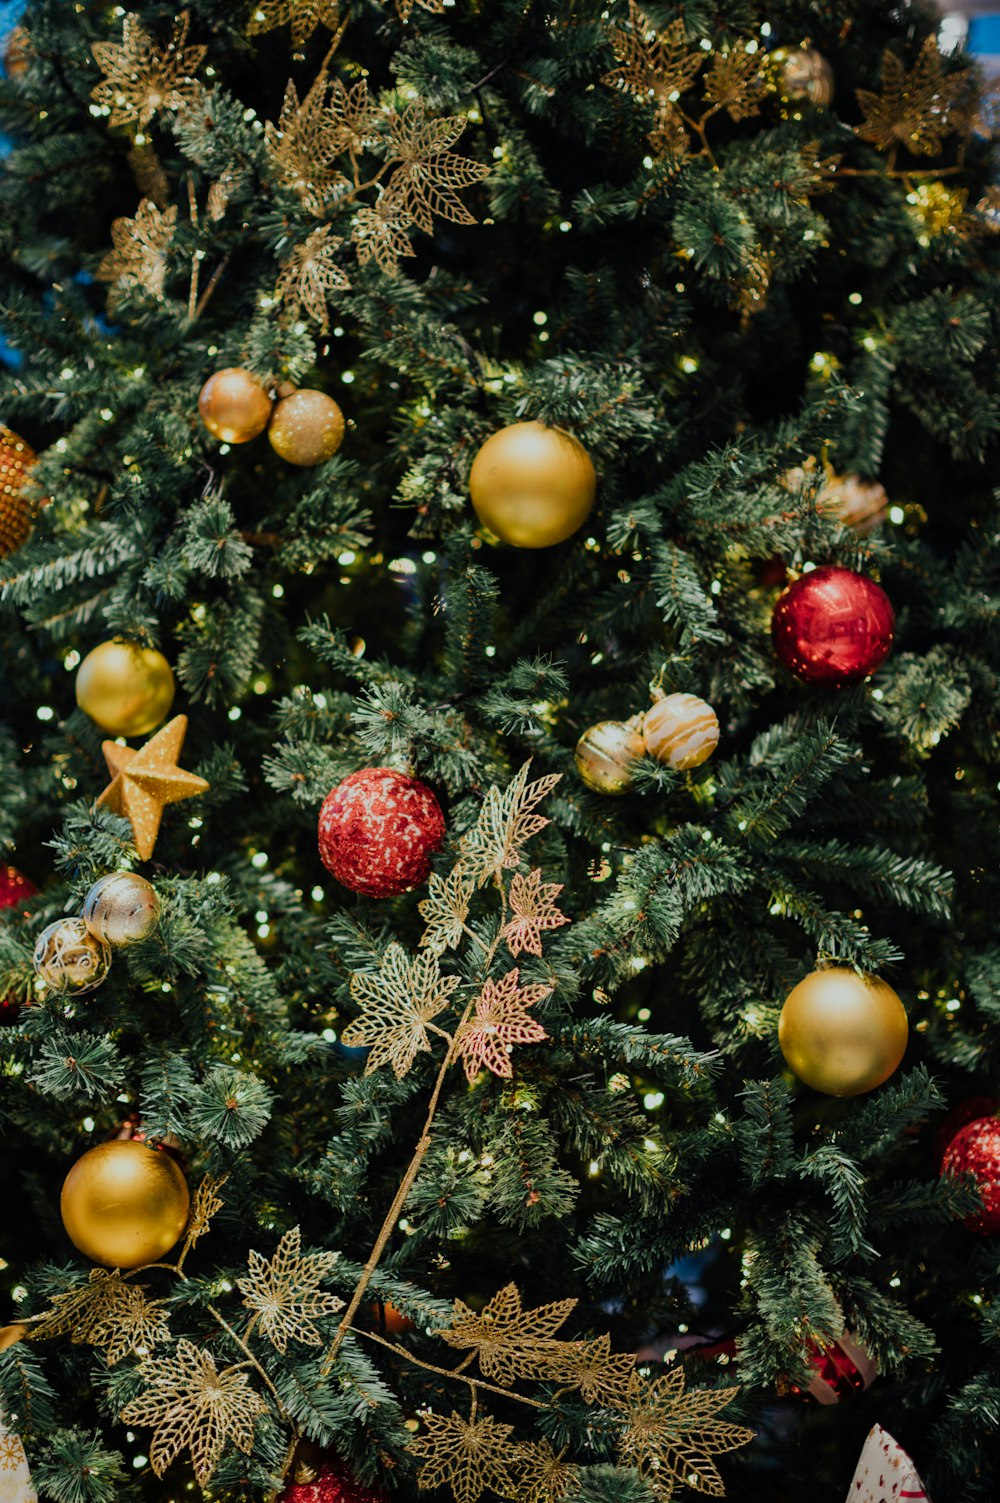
[601, 1375]
[107, 1312]
[671, 1436]
[506, 821]
[353, 116]
[914, 107]
[191, 1406]
[142, 78]
[509, 1342]
[735, 82]
[284, 1295]
[207, 1202]
[303, 16]
[532, 903]
[547, 1475]
[425, 183]
[500, 1021]
[380, 236]
[445, 910]
[303, 146]
[397, 1001]
[468, 1456]
[309, 276]
[139, 258]
[405, 8]
[655, 67]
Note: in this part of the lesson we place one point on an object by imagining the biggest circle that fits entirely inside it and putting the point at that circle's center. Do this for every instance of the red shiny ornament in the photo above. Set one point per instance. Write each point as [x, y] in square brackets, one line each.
[975, 1150]
[833, 627]
[329, 1482]
[840, 1370]
[378, 830]
[15, 888]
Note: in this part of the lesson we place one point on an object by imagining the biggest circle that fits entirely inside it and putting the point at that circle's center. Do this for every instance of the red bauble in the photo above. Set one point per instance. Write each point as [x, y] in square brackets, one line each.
[833, 627]
[15, 887]
[975, 1150]
[378, 830]
[329, 1482]
[840, 1370]
[966, 1111]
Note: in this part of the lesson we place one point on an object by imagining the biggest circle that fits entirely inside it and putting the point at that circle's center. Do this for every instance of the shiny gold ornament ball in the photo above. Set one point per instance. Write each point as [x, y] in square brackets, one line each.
[681, 731]
[121, 908]
[16, 460]
[125, 689]
[532, 486]
[606, 754]
[234, 405]
[842, 1033]
[69, 959]
[124, 1204]
[307, 427]
[805, 74]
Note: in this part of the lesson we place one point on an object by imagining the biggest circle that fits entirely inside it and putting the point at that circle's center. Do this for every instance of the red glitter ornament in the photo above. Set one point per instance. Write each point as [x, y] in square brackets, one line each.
[378, 830]
[15, 887]
[328, 1482]
[975, 1150]
[833, 627]
[969, 1110]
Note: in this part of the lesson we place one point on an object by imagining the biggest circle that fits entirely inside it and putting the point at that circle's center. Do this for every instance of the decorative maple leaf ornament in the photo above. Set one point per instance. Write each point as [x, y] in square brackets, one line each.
[143, 79]
[500, 1020]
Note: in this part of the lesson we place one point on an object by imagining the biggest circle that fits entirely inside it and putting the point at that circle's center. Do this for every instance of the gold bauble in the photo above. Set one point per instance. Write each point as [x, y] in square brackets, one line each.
[805, 74]
[11, 1335]
[69, 959]
[124, 1204]
[532, 486]
[234, 405]
[681, 731]
[16, 460]
[606, 753]
[121, 908]
[125, 689]
[842, 1033]
[307, 427]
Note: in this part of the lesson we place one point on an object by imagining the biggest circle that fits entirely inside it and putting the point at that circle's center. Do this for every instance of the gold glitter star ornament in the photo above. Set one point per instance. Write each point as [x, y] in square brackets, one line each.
[143, 782]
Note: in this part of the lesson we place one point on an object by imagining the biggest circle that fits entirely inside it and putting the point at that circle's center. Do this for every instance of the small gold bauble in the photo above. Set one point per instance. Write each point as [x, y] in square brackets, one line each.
[842, 1033]
[234, 405]
[16, 460]
[805, 74]
[532, 486]
[307, 427]
[121, 908]
[69, 959]
[681, 730]
[124, 1204]
[125, 689]
[606, 753]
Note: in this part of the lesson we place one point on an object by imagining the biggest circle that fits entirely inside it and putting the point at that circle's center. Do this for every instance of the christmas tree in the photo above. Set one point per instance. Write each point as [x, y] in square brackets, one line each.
[541, 451]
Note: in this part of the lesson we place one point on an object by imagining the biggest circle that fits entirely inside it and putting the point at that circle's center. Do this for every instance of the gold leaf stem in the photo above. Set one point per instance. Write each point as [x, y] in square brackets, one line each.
[452, 1372]
[195, 258]
[216, 276]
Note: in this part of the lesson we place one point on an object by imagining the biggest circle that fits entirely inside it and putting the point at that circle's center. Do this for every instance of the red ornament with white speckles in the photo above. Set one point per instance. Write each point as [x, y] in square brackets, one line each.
[378, 830]
[15, 888]
[976, 1151]
[328, 1483]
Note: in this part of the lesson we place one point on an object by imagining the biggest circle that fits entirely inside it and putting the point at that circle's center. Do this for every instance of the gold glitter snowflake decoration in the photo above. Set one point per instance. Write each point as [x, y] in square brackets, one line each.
[532, 903]
[506, 821]
[914, 106]
[499, 1022]
[141, 78]
[309, 276]
[397, 1003]
[671, 1436]
[303, 16]
[139, 259]
[468, 1456]
[107, 1312]
[191, 1406]
[284, 1294]
[509, 1342]
[429, 174]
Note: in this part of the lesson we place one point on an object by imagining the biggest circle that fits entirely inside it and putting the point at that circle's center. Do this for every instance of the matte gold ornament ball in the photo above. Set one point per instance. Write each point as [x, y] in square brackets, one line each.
[234, 405]
[532, 486]
[606, 754]
[69, 959]
[307, 427]
[805, 74]
[125, 689]
[681, 731]
[124, 1204]
[842, 1033]
[121, 908]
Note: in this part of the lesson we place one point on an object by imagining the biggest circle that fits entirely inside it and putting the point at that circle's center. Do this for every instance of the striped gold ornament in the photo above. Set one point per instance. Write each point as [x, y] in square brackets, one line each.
[606, 753]
[681, 730]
